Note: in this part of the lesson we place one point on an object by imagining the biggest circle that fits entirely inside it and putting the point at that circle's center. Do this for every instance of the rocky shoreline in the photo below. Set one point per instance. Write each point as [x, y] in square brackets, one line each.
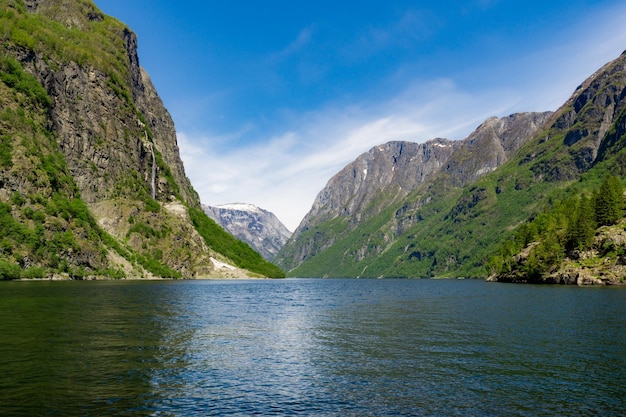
[604, 264]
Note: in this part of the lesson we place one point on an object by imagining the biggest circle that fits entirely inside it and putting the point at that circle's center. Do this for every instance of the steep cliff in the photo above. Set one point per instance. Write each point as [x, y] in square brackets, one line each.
[586, 130]
[259, 228]
[97, 116]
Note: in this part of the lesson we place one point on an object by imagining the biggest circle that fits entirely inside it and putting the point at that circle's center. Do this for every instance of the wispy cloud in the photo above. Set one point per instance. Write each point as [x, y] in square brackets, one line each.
[303, 39]
[411, 27]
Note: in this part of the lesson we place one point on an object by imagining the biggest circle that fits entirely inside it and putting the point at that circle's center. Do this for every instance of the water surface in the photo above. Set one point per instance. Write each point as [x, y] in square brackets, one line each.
[311, 347]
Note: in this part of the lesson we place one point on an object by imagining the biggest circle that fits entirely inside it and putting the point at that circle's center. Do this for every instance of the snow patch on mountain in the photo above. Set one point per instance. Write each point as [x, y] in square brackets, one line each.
[257, 227]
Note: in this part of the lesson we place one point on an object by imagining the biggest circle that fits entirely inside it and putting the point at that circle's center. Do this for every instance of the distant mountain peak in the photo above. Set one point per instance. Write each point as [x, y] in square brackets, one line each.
[257, 227]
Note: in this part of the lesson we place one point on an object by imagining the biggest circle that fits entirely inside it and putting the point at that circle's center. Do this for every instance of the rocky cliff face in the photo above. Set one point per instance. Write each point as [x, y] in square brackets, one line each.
[102, 127]
[395, 168]
[387, 174]
[491, 145]
[259, 228]
[112, 138]
[588, 128]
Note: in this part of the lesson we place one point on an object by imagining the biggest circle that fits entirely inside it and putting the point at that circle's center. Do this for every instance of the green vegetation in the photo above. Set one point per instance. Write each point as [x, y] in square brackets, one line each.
[36, 244]
[93, 39]
[157, 268]
[13, 75]
[220, 241]
[608, 202]
[566, 226]
[6, 148]
[46, 227]
[581, 223]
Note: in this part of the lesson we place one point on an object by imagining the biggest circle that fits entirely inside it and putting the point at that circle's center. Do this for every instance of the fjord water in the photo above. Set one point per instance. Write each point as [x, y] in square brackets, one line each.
[311, 347]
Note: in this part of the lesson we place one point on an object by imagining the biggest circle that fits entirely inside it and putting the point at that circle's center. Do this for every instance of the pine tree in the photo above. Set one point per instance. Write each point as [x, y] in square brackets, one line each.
[609, 202]
[581, 229]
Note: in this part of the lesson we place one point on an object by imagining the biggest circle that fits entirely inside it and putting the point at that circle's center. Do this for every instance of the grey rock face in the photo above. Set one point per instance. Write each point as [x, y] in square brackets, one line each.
[395, 167]
[590, 125]
[259, 228]
[490, 145]
[98, 135]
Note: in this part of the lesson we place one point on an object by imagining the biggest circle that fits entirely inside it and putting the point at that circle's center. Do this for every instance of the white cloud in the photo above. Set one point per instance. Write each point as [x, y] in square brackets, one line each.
[302, 40]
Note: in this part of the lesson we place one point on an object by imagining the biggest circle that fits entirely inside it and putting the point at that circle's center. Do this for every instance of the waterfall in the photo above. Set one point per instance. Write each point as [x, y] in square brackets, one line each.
[153, 173]
[153, 182]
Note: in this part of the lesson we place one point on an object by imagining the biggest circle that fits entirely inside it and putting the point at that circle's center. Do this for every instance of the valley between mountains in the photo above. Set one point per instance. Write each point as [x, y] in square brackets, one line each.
[92, 184]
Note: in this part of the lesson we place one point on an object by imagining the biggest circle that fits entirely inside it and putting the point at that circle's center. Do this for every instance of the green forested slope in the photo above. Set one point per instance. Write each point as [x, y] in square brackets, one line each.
[581, 239]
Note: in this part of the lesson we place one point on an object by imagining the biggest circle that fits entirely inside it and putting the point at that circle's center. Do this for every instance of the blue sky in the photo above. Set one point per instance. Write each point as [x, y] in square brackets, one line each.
[272, 98]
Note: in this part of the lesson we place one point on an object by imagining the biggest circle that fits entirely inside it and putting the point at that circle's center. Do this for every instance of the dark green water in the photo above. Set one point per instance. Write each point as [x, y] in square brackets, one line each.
[311, 347]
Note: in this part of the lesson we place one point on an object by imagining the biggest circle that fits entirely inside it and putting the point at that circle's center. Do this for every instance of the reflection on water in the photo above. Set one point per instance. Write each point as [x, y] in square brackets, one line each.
[311, 347]
[92, 349]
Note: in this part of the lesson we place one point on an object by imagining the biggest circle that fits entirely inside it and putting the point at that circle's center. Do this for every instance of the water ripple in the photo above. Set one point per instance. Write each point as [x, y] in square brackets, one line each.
[311, 347]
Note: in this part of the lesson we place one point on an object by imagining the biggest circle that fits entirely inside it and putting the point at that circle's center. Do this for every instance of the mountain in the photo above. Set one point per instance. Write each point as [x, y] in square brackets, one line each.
[391, 175]
[91, 180]
[259, 228]
[446, 213]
